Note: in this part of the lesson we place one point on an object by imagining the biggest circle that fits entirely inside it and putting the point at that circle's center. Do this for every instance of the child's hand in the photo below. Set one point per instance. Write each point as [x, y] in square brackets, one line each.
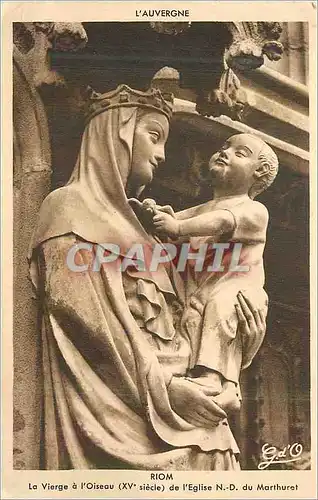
[144, 211]
[165, 223]
[149, 205]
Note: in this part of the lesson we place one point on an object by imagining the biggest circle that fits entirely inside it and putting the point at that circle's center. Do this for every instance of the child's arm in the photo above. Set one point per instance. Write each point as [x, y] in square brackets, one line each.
[213, 224]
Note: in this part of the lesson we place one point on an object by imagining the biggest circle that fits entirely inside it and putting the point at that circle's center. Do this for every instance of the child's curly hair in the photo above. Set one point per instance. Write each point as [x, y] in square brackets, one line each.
[269, 158]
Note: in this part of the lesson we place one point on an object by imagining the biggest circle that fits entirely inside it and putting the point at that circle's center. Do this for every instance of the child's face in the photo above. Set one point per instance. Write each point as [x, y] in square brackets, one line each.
[235, 163]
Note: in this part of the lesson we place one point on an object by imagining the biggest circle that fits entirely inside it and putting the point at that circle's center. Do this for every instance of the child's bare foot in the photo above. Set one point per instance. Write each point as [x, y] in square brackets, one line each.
[228, 400]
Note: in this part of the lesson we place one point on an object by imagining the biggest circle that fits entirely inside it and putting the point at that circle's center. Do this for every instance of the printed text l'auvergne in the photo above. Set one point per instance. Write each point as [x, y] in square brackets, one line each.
[183, 13]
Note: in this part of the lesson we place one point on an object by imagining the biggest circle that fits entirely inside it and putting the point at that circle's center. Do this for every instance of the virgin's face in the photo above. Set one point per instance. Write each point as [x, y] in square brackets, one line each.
[148, 152]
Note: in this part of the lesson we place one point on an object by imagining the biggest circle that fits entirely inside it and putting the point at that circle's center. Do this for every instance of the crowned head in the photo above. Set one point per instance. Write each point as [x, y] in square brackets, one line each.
[124, 96]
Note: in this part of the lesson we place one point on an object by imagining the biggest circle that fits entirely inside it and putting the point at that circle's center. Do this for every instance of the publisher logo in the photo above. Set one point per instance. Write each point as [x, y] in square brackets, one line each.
[272, 455]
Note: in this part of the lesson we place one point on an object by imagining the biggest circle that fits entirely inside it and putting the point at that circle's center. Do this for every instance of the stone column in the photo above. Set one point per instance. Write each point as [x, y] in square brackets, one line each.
[31, 183]
[295, 50]
[31, 163]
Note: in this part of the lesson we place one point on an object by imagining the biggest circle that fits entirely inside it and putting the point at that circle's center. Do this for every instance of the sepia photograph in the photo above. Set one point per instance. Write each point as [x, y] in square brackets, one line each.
[161, 250]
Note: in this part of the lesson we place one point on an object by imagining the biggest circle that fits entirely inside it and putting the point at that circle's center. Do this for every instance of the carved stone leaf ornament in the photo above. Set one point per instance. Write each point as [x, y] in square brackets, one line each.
[251, 41]
[228, 99]
[170, 28]
[68, 37]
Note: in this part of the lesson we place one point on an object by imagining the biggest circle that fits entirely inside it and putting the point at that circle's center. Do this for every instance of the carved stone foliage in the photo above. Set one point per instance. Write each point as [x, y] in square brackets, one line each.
[217, 51]
[170, 28]
[33, 41]
[63, 36]
[68, 37]
[228, 99]
[24, 36]
[251, 42]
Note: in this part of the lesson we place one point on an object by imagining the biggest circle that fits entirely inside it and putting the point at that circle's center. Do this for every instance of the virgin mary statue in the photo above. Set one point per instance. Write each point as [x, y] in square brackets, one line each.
[114, 356]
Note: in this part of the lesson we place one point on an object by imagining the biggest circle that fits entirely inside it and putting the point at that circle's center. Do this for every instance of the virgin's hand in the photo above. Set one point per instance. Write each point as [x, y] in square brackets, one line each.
[252, 320]
[194, 403]
[135, 202]
[148, 205]
[166, 209]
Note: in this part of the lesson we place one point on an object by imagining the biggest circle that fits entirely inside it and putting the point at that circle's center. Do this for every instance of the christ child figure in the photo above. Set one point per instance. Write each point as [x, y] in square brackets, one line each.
[231, 223]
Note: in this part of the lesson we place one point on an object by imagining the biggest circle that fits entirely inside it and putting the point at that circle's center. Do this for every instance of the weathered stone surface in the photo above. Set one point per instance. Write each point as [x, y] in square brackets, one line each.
[229, 99]
[170, 28]
[32, 182]
[251, 41]
[68, 36]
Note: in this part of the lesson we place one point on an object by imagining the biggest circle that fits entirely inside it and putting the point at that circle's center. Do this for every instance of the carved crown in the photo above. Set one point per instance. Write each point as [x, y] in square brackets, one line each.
[124, 96]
